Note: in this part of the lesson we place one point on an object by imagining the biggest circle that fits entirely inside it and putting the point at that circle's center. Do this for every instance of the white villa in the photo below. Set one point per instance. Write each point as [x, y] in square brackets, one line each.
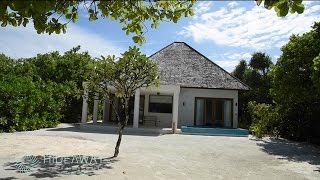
[193, 91]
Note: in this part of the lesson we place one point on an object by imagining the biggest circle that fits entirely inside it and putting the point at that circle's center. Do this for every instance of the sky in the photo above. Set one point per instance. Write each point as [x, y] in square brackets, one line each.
[224, 31]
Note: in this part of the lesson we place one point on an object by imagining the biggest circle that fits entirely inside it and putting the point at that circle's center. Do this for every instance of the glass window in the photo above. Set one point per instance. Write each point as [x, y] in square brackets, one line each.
[160, 104]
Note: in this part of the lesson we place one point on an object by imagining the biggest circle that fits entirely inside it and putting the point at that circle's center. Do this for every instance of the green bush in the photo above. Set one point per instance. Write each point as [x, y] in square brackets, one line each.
[69, 69]
[27, 105]
[41, 91]
[264, 119]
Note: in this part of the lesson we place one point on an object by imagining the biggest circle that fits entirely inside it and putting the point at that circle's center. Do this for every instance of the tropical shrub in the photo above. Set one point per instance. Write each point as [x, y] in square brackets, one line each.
[27, 105]
[41, 91]
[264, 119]
[69, 70]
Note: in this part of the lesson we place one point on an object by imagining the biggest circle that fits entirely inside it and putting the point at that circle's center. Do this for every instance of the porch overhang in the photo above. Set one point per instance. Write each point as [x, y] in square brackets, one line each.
[173, 90]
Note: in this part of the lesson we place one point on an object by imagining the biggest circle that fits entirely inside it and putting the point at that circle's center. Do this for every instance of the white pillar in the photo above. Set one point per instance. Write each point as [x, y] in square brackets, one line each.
[175, 113]
[106, 108]
[85, 102]
[95, 108]
[136, 109]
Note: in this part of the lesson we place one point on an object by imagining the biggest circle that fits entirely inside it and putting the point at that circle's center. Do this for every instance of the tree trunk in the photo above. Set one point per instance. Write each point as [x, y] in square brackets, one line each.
[121, 127]
[116, 151]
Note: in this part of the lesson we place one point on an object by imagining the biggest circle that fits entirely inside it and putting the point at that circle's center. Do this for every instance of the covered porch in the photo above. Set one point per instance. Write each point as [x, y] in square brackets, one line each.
[150, 108]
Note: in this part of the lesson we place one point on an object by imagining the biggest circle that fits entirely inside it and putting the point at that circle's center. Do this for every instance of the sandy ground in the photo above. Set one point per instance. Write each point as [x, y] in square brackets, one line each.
[157, 157]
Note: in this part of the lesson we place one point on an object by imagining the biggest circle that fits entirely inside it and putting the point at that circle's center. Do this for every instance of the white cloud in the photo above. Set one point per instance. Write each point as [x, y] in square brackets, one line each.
[228, 65]
[202, 7]
[237, 55]
[233, 4]
[229, 60]
[308, 3]
[27, 43]
[256, 28]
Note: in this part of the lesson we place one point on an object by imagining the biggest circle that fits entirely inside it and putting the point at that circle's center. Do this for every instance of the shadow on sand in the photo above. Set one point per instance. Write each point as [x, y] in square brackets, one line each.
[292, 151]
[51, 166]
[107, 130]
[8, 178]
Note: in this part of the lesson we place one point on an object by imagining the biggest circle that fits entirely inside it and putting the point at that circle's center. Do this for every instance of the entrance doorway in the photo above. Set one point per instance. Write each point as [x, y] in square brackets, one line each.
[213, 112]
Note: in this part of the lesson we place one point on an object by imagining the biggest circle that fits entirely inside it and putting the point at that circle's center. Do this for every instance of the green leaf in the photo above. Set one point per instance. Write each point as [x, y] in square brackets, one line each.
[135, 39]
[58, 30]
[4, 23]
[19, 21]
[25, 22]
[54, 20]
[13, 22]
[74, 9]
[175, 19]
[12, 14]
[75, 16]
[299, 8]
[258, 2]
[93, 17]
[297, 1]
[68, 15]
[282, 8]
[65, 11]
[191, 12]
[64, 30]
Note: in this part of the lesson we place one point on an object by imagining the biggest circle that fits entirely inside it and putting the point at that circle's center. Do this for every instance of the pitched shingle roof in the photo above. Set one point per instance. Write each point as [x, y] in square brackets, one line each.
[180, 64]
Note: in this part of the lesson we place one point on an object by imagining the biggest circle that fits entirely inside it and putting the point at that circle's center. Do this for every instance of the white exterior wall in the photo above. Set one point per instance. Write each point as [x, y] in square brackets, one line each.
[164, 118]
[188, 95]
[186, 103]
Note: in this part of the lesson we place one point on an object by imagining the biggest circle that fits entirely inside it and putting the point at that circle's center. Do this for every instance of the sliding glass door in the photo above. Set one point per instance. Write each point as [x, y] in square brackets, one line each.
[227, 113]
[213, 112]
[199, 118]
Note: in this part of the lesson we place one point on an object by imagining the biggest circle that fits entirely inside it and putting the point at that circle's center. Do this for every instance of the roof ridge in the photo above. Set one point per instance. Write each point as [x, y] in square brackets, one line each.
[167, 46]
[179, 42]
[161, 49]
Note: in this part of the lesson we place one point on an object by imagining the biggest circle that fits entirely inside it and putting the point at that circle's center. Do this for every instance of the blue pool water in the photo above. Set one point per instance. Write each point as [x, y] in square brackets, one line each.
[214, 131]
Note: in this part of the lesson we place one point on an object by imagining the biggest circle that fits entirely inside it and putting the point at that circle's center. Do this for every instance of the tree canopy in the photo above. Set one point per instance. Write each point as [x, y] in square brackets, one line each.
[260, 62]
[294, 85]
[126, 74]
[254, 74]
[316, 72]
[292, 75]
[52, 16]
[295, 108]
[240, 70]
